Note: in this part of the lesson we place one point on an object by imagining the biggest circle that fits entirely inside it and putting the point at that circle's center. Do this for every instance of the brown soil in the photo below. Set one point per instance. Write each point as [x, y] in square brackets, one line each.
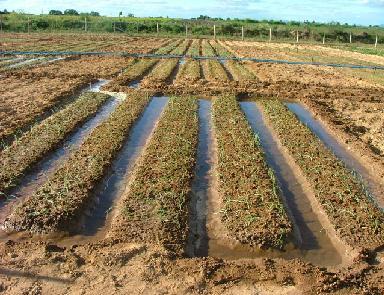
[350, 106]
[120, 267]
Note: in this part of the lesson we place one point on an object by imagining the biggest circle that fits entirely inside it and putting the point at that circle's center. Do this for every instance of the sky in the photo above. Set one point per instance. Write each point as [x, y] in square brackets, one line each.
[364, 12]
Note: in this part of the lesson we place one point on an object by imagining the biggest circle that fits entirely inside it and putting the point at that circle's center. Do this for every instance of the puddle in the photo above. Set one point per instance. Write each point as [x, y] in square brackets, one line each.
[97, 218]
[96, 86]
[331, 143]
[182, 61]
[134, 84]
[25, 62]
[207, 235]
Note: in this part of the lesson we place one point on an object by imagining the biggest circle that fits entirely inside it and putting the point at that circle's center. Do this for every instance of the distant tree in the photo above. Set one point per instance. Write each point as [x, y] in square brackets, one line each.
[70, 12]
[132, 15]
[55, 12]
[204, 17]
[94, 13]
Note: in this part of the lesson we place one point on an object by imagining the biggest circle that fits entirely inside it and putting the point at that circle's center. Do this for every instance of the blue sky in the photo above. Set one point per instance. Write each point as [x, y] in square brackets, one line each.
[351, 11]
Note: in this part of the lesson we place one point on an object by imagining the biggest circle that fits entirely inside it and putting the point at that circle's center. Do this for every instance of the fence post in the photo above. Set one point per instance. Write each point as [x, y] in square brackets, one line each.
[242, 33]
[270, 34]
[350, 38]
[376, 42]
[186, 31]
[28, 26]
[324, 38]
[297, 36]
[1, 24]
[214, 31]
[157, 28]
[85, 24]
[137, 27]
[114, 27]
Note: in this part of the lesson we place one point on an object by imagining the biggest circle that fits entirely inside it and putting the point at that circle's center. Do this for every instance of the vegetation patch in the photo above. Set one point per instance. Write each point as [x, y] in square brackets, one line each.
[189, 72]
[252, 210]
[155, 206]
[160, 74]
[239, 72]
[214, 71]
[44, 137]
[60, 201]
[340, 191]
[194, 49]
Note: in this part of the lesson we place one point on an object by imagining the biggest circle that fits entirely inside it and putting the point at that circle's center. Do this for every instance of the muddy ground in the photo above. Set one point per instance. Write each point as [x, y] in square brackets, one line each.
[120, 267]
[349, 103]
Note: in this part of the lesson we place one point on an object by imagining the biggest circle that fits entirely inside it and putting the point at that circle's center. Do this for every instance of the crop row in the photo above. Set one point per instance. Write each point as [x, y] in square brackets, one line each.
[190, 71]
[134, 71]
[219, 49]
[194, 49]
[161, 72]
[340, 191]
[44, 137]
[182, 48]
[169, 48]
[155, 205]
[138, 68]
[252, 210]
[214, 71]
[58, 203]
[23, 103]
[207, 49]
[239, 72]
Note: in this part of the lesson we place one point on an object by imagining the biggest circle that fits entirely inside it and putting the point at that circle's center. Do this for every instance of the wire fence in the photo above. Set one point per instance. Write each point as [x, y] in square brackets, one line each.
[192, 29]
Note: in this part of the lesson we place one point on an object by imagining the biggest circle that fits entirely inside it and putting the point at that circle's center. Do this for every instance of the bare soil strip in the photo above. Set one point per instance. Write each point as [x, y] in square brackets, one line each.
[57, 205]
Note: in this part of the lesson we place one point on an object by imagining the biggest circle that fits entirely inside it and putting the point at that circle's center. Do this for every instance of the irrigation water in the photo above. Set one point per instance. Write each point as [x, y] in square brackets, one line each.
[46, 167]
[207, 235]
[338, 149]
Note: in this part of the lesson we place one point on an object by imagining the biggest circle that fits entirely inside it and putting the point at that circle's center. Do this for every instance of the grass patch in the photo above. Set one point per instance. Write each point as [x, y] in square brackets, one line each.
[340, 191]
[44, 137]
[60, 201]
[252, 210]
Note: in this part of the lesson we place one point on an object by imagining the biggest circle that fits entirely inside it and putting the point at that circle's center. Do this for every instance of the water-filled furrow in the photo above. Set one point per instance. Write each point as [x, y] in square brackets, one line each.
[312, 239]
[26, 62]
[113, 184]
[40, 173]
[338, 149]
[197, 244]
[208, 236]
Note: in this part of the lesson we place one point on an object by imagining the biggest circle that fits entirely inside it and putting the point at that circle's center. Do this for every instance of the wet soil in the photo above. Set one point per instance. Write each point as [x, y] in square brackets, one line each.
[339, 150]
[110, 265]
[45, 168]
[208, 236]
[97, 219]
